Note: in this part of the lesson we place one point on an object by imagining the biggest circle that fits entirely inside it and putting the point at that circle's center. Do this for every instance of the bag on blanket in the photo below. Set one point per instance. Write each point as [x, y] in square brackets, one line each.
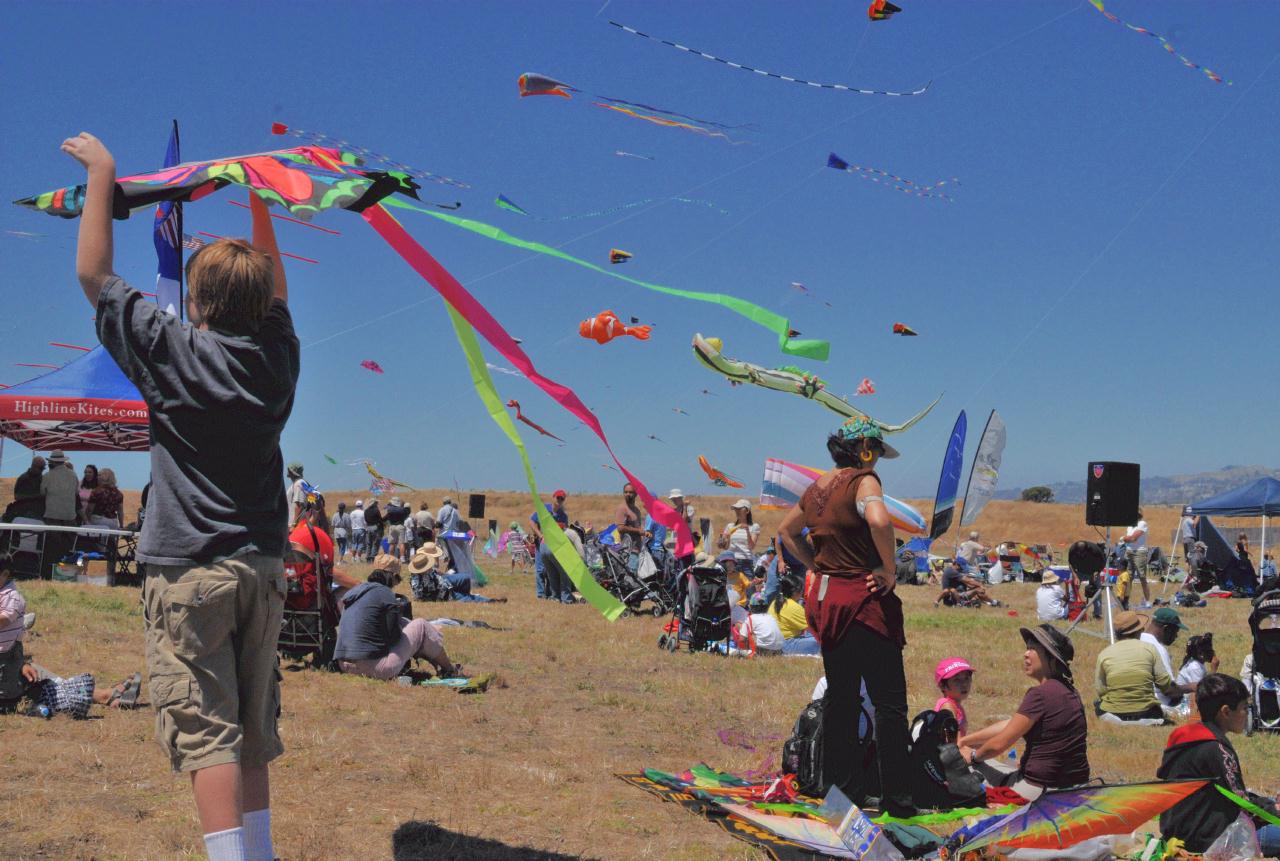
[940, 778]
[802, 753]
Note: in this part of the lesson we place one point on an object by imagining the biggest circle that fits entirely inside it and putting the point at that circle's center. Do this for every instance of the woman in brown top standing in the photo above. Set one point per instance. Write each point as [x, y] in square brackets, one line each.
[854, 614]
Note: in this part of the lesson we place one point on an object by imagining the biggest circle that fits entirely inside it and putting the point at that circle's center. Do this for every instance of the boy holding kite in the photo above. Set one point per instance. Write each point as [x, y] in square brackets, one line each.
[220, 389]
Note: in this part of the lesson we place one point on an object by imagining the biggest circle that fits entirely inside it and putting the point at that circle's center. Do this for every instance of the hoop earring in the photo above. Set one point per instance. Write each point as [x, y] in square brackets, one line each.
[866, 455]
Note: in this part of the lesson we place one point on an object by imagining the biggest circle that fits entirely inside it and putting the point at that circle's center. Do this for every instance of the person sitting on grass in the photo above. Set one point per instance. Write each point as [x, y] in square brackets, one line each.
[790, 614]
[1129, 672]
[1050, 719]
[374, 638]
[1202, 750]
[962, 589]
[761, 627]
[954, 678]
[427, 561]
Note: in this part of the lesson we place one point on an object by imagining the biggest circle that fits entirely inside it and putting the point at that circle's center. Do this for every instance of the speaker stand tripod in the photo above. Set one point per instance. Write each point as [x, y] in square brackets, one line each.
[1105, 598]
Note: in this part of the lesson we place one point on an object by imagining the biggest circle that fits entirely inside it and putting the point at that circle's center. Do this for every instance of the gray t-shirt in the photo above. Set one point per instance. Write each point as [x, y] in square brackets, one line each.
[219, 403]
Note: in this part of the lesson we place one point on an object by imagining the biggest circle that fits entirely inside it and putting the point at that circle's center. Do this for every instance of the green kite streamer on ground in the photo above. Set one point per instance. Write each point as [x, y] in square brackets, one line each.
[563, 551]
[1248, 806]
[776, 323]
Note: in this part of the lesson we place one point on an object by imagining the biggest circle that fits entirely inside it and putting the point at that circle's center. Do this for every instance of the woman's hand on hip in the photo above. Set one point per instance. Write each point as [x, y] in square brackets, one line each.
[881, 581]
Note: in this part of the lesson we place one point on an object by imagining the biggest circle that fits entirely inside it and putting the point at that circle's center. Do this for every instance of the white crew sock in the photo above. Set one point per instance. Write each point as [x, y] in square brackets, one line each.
[257, 835]
[225, 845]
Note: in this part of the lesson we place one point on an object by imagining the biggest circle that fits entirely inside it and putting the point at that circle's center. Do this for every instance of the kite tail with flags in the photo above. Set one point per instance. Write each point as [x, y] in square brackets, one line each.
[167, 235]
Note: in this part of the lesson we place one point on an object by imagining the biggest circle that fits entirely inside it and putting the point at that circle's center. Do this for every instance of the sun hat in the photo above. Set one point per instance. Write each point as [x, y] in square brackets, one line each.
[950, 667]
[559, 494]
[1053, 641]
[56, 457]
[294, 469]
[757, 602]
[1169, 616]
[676, 493]
[387, 562]
[1050, 577]
[726, 556]
[861, 428]
[425, 559]
[1128, 623]
[742, 503]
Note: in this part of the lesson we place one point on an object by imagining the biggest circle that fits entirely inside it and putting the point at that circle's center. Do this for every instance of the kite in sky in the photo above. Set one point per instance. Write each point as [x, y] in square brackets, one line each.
[605, 326]
[897, 183]
[534, 84]
[521, 417]
[791, 380]
[656, 439]
[371, 365]
[678, 410]
[195, 243]
[325, 140]
[784, 483]
[866, 387]
[626, 154]
[1164, 43]
[764, 73]
[331, 459]
[904, 329]
[882, 10]
[720, 479]
[616, 255]
[709, 392]
[805, 291]
[502, 370]
[504, 202]
[379, 479]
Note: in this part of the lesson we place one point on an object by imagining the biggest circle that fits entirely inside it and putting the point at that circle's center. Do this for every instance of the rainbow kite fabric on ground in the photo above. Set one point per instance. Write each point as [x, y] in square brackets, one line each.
[784, 483]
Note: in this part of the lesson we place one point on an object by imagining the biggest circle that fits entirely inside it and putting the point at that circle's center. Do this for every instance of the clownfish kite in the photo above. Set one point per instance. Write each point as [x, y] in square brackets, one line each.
[717, 477]
[521, 417]
[882, 10]
[617, 255]
[904, 329]
[605, 326]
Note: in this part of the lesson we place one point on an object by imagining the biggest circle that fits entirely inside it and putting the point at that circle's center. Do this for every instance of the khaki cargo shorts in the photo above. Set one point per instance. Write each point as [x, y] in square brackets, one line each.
[211, 656]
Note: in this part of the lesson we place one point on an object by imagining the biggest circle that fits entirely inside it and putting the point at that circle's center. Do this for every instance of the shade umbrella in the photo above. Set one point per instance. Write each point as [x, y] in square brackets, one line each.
[1260, 498]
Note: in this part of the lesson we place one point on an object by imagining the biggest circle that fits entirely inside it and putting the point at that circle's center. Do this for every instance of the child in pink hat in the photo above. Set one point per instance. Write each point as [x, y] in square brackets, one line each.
[953, 677]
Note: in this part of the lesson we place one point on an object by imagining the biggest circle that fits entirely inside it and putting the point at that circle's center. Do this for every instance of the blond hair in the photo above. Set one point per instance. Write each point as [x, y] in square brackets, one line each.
[231, 282]
[107, 477]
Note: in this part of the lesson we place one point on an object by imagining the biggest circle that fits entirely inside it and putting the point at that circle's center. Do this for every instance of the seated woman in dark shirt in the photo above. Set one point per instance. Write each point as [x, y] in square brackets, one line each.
[1050, 719]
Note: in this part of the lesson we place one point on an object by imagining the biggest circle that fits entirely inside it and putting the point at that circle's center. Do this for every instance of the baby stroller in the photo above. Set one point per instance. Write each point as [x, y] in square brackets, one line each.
[702, 617]
[1263, 680]
[627, 585]
[308, 629]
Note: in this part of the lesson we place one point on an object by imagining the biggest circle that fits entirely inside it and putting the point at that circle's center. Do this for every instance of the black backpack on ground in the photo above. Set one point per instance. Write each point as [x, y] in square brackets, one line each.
[940, 778]
[430, 586]
[13, 686]
[802, 753]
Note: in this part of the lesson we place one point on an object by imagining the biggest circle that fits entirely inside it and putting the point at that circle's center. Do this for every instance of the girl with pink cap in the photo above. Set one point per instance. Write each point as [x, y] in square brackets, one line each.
[953, 676]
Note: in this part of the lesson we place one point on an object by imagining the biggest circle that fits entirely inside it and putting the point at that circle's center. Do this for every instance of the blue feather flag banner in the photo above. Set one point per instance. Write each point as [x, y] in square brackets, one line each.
[167, 235]
[944, 504]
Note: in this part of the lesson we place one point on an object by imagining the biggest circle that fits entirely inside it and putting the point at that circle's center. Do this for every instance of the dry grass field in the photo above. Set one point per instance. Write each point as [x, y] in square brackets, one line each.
[529, 764]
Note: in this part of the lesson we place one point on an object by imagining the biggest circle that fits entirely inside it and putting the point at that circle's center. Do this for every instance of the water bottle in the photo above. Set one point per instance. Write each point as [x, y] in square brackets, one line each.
[41, 710]
[1013, 756]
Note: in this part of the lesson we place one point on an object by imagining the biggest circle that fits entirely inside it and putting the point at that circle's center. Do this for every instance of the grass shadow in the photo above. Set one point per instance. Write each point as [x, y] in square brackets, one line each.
[417, 840]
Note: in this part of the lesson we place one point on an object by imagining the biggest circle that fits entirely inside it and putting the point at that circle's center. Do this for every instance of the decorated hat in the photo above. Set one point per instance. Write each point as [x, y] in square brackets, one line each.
[859, 427]
[757, 602]
[949, 668]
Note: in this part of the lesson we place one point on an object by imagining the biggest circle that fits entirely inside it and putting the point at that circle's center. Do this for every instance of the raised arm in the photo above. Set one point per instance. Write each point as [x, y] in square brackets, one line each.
[94, 250]
[264, 239]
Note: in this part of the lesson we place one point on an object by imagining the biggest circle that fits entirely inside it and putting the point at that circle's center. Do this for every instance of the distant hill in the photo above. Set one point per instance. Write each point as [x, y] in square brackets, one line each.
[1166, 489]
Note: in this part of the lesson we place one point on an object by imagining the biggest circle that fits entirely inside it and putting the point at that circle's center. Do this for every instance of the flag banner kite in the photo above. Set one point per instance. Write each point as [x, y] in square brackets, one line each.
[504, 202]
[605, 326]
[561, 549]
[479, 317]
[521, 417]
[944, 503]
[1164, 43]
[1062, 818]
[325, 140]
[894, 181]
[984, 472]
[304, 180]
[534, 84]
[717, 477]
[784, 483]
[776, 323]
[731, 64]
[791, 380]
[167, 237]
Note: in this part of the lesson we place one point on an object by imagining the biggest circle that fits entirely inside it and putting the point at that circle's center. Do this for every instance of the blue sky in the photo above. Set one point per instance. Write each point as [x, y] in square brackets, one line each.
[1105, 277]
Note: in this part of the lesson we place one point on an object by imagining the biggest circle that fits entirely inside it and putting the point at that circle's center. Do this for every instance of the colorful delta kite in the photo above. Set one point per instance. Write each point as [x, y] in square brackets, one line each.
[522, 417]
[882, 10]
[371, 365]
[1164, 43]
[605, 326]
[904, 329]
[325, 140]
[791, 380]
[504, 202]
[897, 183]
[617, 255]
[533, 84]
[379, 479]
[720, 479]
[776, 323]
[764, 73]
[866, 387]
[805, 291]
[784, 483]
